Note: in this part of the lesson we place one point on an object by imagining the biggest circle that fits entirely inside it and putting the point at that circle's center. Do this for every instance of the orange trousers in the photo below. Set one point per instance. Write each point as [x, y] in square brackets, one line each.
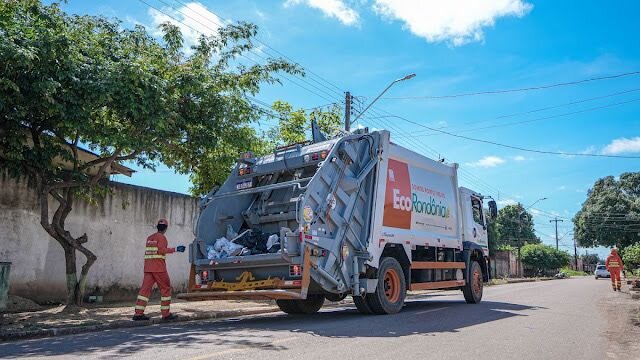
[150, 278]
[616, 283]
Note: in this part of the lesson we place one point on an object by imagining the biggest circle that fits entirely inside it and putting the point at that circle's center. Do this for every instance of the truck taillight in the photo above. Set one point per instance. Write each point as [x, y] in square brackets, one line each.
[205, 275]
[295, 270]
[323, 154]
[314, 156]
[241, 171]
[247, 171]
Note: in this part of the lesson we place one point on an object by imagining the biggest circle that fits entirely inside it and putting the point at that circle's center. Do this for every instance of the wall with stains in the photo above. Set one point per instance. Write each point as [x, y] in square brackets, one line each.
[116, 227]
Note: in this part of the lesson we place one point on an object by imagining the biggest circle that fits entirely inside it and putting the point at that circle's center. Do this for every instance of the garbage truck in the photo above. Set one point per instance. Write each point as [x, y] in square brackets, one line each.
[355, 215]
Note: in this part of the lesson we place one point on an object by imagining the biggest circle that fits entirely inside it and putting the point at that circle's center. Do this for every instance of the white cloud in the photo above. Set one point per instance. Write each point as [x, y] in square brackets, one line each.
[519, 158]
[487, 162]
[193, 19]
[623, 145]
[455, 21]
[562, 187]
[333, 8]
[506, 202]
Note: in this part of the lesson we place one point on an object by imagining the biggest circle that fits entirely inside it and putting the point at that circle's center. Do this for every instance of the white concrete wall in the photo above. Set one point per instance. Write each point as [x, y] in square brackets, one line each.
[117, 229]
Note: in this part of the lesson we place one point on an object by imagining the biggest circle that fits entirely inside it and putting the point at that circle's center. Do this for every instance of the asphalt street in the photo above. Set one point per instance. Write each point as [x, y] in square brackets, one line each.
[565, 319]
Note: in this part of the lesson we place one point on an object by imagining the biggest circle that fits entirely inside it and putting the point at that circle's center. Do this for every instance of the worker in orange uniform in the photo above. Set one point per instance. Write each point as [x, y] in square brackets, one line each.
[614, 265]
[155, 272]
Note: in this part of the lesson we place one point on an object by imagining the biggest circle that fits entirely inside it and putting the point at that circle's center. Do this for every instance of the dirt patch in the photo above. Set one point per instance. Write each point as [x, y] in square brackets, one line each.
[20, 304]
[623, 329]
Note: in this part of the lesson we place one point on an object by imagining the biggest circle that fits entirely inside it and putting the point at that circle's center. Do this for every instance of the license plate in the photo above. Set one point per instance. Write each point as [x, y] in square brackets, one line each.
[244, 184]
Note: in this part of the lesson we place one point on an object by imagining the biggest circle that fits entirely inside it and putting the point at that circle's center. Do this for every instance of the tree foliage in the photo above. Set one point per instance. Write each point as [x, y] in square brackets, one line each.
[514, 227]
[69, 81]
[611, 214]
[294, 126]
[544, 257]
[631, 256]
[590, 259]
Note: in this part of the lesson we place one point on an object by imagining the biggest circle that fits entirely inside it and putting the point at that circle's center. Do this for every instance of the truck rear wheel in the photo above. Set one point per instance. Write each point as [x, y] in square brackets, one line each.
[391, 290]
[362, 305]
[311, 305]
[472, 290]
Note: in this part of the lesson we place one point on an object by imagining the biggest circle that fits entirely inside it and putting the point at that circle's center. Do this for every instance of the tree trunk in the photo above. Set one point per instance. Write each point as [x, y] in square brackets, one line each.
[55, 227]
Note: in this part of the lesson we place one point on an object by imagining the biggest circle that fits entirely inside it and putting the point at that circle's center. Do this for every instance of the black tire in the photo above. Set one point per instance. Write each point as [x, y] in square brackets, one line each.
[335, 297]
[596, 278]
[472, 290]
[288, 306]
[362, 305]
[311, 305]
[391, 290]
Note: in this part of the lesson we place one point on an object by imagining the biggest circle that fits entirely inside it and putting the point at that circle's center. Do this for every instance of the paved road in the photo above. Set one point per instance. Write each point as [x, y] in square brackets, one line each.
[545, 320]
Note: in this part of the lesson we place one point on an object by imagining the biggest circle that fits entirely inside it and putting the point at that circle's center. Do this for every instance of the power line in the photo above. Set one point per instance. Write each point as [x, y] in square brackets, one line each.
[240, 54]
[530, 88]
[513, 146]
[339, 90]
[538, 119]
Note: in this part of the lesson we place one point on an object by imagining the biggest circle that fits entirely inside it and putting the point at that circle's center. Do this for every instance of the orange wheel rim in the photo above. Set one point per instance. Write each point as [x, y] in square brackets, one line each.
[391, 285]
[477, 283]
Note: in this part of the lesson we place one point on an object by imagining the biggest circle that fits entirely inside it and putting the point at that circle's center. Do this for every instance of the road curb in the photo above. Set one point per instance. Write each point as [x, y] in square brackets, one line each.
[125, 324]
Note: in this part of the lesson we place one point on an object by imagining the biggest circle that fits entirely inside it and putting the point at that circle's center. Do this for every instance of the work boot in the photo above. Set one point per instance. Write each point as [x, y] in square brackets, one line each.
[170, 317]
[141, 317]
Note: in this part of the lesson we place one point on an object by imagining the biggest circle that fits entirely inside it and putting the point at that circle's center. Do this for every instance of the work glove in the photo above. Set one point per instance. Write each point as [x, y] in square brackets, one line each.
[180, 248]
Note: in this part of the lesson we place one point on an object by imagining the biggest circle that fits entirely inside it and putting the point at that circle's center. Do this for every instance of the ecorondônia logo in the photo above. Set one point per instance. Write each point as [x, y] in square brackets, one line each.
[403, 198]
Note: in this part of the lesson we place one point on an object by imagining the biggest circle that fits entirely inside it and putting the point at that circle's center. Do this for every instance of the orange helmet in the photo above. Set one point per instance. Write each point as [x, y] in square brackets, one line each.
[163, 222]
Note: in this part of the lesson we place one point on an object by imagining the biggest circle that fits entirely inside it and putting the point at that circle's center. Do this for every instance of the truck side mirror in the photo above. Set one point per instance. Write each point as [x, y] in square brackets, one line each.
[493, 209]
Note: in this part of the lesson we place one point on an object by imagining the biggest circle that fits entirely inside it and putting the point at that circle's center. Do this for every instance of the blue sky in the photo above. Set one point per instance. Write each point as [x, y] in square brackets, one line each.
[454, 47]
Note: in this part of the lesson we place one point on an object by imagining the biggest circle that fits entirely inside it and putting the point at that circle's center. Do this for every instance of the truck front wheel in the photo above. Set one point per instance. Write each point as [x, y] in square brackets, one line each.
[310, 305]
[472, 290]
[391, 290]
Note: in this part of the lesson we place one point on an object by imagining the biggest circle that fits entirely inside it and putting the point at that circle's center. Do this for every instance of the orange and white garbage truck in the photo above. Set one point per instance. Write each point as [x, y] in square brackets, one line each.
[356, 215]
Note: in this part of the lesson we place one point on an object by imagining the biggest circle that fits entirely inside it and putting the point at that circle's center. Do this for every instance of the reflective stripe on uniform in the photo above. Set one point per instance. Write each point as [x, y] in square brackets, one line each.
[613, 264]
[155, 257]
[140, 307]
[165, 298]
[140, 297]
[164, 307]
[151, 248]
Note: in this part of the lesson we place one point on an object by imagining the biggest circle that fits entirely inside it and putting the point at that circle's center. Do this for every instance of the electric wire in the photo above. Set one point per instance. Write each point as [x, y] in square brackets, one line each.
[529, 88]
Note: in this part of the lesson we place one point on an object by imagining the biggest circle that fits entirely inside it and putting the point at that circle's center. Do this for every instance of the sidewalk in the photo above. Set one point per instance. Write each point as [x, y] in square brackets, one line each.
[56, 321]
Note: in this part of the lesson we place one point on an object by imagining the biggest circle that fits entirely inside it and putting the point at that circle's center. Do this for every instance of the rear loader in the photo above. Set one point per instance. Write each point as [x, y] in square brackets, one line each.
[352, 216]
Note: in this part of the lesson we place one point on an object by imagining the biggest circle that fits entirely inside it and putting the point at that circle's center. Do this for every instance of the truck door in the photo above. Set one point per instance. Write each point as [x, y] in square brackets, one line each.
[478, 231]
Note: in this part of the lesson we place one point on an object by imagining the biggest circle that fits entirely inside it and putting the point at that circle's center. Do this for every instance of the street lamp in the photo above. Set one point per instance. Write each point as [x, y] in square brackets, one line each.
[410, 76]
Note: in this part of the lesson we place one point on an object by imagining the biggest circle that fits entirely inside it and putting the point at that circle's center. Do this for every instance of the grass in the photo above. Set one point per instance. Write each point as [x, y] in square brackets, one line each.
[572, 272]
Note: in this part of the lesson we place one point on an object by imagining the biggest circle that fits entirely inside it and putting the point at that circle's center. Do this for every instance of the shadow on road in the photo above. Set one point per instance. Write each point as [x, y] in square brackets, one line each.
[425, 318]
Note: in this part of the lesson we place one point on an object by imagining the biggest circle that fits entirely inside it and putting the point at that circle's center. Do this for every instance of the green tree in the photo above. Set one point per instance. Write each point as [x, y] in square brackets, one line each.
[590, 259]
[611, 214]
[294, 126]
[514, 227]
[631, 256]
[544, 257]
[70, 81]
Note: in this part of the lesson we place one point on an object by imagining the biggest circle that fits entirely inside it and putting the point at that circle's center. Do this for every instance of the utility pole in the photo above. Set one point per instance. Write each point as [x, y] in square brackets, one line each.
[575, 251]
[347, 111]
[556, 220]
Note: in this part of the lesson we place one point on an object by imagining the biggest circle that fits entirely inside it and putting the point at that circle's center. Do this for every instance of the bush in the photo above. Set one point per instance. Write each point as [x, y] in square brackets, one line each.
[544, 257]
[631, 256]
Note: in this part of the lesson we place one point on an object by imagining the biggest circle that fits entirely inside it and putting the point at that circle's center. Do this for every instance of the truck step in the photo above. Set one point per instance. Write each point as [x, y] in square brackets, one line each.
[423, 265]
[436, 285]
[242, 295]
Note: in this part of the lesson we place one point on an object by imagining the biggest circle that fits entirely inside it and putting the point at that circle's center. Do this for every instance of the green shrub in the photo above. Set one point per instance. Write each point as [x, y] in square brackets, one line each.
[631, 256]
[544, 257]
